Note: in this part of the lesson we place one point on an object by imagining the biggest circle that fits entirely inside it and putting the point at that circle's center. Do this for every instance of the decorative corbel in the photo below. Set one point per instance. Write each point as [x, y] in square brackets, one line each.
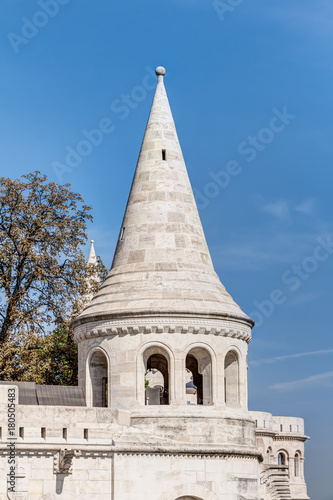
[63, 461]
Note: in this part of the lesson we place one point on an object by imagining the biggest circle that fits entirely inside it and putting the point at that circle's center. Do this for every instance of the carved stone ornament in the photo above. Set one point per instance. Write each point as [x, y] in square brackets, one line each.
[63, 461]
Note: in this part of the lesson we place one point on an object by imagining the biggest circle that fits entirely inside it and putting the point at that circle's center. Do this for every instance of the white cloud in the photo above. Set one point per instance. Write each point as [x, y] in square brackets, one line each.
[303, 298]
[282, 242]
[263, 249]
[265, 361]
[281, 208]
[278, 209]
[306, 207]
[321, 380]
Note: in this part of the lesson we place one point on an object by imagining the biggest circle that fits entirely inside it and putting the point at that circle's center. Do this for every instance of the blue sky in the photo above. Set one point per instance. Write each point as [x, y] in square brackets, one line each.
[268, 223]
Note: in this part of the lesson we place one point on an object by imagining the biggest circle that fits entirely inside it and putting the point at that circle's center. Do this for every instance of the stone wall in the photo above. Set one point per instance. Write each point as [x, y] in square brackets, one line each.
[157, 453]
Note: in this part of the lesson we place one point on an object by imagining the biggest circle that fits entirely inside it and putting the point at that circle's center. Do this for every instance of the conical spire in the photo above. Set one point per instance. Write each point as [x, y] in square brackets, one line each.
[94, 277]
[162, 264]
[92, 259]
[91, 281]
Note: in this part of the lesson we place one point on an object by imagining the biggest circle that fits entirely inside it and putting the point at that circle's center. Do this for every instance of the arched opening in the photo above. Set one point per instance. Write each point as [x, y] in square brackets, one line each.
[282, 460]
[156, 377]
[297, 464]
[268, 455]
[231, 379]
[188, 498]
[190, 388]
[98, 369]
[199, 368]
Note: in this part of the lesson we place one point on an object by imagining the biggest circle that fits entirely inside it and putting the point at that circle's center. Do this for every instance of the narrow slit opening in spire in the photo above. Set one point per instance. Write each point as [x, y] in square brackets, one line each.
[164, 154]
[122, 233]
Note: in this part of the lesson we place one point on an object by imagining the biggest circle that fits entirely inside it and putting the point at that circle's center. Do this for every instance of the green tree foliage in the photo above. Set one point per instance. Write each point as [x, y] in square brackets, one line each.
[43, 277]
[49, 359]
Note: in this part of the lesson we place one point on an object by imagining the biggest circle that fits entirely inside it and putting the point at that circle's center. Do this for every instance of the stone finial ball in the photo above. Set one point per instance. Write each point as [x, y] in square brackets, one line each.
[160, 71]
[91, 241]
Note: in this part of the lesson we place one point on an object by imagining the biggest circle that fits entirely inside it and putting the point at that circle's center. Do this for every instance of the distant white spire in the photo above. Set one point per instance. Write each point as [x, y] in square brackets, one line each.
[91, 280]
[92, 259]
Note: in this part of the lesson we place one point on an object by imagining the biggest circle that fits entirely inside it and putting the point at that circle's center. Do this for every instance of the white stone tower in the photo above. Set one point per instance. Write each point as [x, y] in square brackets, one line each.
[163, 308]
[162, 298]
[161, 408]
[165, 346]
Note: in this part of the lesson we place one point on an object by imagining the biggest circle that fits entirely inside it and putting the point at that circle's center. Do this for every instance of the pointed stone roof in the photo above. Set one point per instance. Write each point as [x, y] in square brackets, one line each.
[91, 280]
[162, 264]
[92, 259]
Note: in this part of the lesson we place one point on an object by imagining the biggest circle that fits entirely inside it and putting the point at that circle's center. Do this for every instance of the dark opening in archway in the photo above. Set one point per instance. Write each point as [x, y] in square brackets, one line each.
[158, 363]
[192, 365]
[282, 460]
[98, 368]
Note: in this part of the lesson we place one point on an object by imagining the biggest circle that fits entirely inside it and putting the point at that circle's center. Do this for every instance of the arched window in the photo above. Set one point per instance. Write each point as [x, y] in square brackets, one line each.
[199, 364]
[282, 460]
[231, 379]
[268, 455]
[98, 369]
[296, 464]
[156, 377]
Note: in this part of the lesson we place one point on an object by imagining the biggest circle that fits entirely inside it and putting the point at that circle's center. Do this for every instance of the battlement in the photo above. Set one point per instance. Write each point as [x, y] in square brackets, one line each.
[266, 422]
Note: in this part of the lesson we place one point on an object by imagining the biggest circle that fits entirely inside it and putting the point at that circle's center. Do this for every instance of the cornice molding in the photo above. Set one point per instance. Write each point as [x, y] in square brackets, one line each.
[279, 437]
[292, 437]
[142, 451]
[51, 452]
[170, 325]
[218, 454]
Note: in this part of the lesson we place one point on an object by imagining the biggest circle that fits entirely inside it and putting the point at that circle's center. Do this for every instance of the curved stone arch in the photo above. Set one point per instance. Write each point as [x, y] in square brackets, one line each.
[91, 352]
[195, 491]
[242, 370]
[297, 472]
[234, 347]
[268, 454]
[286, 454]
[233, 377]
[154, 346]
[94, 349]
[207, 347]
[204, 345]
[188, 498]
[283, 450]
